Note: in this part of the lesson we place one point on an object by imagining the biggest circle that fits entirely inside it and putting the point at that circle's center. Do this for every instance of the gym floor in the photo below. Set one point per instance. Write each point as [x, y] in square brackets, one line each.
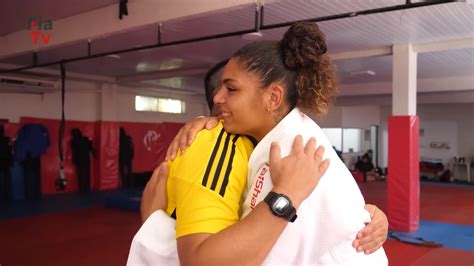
[74, 229]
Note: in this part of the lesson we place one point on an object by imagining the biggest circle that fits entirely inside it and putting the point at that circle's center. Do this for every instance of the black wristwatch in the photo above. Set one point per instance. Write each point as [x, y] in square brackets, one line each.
[281, 206]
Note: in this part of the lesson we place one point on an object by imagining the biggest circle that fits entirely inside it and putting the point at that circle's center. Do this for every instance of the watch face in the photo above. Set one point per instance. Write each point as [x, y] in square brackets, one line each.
[281, 205]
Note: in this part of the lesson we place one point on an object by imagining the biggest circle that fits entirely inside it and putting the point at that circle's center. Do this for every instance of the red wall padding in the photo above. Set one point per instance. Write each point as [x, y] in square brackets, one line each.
[107, 136]
[403, 183]
[170, 130]
[150, 143]
[11, 129]
[147, 144]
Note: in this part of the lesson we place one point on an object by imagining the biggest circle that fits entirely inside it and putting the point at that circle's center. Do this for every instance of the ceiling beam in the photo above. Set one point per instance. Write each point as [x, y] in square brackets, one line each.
[419, 48]
[56, 73]
[140, 88]
[422, 98]
[162, 74]
[444, 45]
[440, 84]
[363, 53]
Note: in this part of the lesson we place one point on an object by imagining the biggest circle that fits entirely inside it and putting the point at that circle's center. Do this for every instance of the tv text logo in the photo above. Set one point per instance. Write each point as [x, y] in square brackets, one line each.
[38, 28]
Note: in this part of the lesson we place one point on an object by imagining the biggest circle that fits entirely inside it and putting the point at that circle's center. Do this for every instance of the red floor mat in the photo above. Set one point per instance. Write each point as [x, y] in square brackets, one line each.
[438, 203]
[400, 254]
[84, 237]
[102, 236]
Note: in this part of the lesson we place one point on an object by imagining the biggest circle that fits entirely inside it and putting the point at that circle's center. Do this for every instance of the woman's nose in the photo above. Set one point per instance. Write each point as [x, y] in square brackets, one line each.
[219, 96]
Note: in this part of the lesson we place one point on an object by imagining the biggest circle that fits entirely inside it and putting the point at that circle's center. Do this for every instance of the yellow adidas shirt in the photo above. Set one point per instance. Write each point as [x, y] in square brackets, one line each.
[205, 186]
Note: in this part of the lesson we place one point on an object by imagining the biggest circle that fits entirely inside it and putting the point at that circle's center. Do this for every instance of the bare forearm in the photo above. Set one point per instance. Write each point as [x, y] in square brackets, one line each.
[247, 242]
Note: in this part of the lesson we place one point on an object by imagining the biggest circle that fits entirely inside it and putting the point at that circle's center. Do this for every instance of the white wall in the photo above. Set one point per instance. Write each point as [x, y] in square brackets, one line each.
[331, 119]
[360, 116]
[78, 106]
[462, 114]
[87, 101]
[433, 133]
[350, 117]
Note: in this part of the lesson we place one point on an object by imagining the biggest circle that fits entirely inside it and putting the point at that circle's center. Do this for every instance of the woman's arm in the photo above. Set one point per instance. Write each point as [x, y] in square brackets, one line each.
[154, 194]
[245, 243]
[368, 239]
[250, 240]
[374, 234]
[187, 133]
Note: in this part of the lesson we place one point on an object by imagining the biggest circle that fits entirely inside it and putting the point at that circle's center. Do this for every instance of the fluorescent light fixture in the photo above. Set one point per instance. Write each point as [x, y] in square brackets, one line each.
[253, 36]
[362, 72]
[116, 56]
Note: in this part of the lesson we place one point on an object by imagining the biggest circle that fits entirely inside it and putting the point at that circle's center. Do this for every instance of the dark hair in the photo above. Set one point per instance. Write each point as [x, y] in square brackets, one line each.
[299, 62]
[212, 81]
[76, 133]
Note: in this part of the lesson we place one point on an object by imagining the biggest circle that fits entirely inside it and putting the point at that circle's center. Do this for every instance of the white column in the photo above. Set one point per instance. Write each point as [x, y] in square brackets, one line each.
[403, 185]
[404, 80]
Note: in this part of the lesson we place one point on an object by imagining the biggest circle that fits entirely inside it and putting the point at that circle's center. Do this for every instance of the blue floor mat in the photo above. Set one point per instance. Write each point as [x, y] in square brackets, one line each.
[128, 200]
[455, 184]
[454, 236]
[125, 199]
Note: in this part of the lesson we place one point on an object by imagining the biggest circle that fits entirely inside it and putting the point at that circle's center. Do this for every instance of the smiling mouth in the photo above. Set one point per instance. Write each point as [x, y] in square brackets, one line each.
[224, 114]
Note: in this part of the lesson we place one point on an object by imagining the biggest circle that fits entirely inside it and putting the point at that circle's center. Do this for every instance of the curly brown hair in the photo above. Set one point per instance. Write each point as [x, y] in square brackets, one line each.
[299, 62]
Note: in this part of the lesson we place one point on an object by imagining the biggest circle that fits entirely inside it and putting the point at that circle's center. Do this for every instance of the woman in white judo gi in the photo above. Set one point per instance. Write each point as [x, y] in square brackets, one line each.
[267, 89]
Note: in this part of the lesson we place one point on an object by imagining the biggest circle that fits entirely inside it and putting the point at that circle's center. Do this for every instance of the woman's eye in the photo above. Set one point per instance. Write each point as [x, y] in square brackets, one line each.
[231, 89]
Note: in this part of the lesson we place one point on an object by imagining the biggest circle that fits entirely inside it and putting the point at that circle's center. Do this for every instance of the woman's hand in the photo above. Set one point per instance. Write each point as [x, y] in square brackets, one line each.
[154, 195]
[374, 234]
[187, 133]
[297, 174]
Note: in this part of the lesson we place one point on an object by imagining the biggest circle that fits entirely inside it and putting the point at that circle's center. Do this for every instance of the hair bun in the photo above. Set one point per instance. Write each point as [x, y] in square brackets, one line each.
[302, 45]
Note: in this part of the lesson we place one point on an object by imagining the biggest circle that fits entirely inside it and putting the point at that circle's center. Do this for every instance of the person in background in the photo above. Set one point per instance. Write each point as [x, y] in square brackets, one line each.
[125, 159]
[379, 171]
[31, 142]
[6, 161]
[339, 153]
[366, 166]
[81, 157]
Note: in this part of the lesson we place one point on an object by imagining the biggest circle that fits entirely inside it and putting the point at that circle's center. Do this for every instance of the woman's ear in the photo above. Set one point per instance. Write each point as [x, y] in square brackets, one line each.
[276, 97]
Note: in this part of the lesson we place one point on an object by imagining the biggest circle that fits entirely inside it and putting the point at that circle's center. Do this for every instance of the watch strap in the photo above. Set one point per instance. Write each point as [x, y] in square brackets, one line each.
[272, 197]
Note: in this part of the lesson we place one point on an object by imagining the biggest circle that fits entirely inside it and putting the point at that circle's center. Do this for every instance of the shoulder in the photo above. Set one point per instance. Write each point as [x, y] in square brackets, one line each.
[209, 139]
[212, 146]
[197, 154]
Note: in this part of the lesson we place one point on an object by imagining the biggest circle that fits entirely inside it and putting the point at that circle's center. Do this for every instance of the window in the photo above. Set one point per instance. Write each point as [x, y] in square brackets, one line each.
[334, 136]
[162, 105]
[345, 139]
[351, 139]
